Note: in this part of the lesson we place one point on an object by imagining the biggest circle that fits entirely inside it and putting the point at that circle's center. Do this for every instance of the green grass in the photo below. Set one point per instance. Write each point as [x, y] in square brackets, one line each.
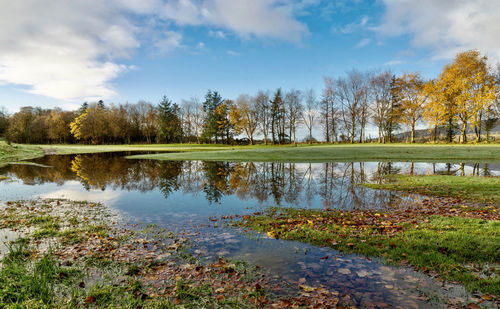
[16, 152]
[323, 153]
[458, 249]
[469, 187]
[289, 153]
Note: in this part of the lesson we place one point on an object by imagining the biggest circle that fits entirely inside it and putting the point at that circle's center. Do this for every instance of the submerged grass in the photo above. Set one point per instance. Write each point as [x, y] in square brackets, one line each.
[457, 249]
[465, 187]
[84, 261]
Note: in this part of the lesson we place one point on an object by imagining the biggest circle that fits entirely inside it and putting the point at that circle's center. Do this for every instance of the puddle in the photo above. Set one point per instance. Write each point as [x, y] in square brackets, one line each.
[182, 196]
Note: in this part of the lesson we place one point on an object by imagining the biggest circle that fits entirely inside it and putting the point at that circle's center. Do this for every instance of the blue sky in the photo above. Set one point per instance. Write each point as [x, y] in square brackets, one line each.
[69, 52]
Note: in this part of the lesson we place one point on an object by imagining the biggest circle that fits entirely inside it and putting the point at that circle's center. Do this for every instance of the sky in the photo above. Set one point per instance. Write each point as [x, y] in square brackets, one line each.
[59, 53]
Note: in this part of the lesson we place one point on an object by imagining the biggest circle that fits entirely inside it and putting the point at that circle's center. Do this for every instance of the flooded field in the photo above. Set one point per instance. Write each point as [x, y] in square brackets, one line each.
[183, 196]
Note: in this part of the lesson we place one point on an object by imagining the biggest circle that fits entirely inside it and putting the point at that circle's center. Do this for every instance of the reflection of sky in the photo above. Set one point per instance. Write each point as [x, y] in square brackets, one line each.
[184, 210]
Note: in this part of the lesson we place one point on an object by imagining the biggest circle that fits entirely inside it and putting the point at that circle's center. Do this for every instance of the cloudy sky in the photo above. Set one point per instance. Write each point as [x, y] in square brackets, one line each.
[62, 53]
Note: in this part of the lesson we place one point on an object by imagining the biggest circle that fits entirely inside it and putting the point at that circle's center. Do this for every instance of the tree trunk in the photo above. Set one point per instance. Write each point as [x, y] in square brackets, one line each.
[464, 133]
[413, 132]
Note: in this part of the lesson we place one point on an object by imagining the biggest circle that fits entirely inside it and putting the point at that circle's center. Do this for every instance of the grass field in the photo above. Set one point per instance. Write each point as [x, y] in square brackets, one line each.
[14, 152]
[472, 188]
[457, 248]
[323, 153]
[301, 153]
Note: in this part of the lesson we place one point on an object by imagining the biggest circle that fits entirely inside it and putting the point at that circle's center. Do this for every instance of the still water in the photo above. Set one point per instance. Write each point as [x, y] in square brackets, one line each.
[182, 195]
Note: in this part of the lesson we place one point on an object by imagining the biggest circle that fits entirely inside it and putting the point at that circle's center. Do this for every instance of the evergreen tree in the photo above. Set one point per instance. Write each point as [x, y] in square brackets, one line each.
[394, 111]
[170, 128]
[211, 125]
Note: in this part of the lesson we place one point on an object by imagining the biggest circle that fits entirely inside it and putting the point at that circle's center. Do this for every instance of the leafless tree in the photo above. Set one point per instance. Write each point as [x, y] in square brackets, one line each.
[294, 108]
[380, 89]
[264, 108]
[310, 112]
[352, 92]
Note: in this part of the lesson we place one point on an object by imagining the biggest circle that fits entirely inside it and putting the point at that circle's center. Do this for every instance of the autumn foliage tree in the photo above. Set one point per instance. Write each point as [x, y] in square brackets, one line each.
[410, 87]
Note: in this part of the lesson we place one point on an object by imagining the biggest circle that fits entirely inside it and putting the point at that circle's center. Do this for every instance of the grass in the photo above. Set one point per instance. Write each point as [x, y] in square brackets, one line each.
[323, 153]
[16, 152]
[75, 261]
[469, 187]
[458, 249]
[287, 153]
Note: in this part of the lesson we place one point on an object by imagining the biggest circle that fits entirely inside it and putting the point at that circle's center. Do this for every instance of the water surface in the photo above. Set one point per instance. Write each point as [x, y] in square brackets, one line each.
[183, 195]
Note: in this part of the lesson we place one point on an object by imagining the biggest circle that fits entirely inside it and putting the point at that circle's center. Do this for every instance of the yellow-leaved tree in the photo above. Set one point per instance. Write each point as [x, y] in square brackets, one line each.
[410, 92]
[462, 94]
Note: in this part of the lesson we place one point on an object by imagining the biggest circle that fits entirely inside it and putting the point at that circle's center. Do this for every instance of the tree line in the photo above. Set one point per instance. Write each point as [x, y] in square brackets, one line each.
[464, 98]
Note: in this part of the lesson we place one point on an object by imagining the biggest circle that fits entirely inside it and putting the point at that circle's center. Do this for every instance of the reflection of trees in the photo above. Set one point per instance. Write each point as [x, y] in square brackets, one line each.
[331, 184]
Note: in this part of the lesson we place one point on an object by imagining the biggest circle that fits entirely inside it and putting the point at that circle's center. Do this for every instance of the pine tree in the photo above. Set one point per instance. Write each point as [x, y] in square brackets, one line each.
[170, 130]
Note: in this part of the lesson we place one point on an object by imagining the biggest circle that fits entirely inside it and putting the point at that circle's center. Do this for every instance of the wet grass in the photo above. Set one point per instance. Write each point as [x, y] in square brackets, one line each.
[457, 249]
[16, 152]
[324, 153]
[469, 187]
[290, 153]
[78, 262]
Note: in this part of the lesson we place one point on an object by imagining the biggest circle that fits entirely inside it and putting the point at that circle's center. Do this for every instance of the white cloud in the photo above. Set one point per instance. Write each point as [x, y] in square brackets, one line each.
[217, 34]
[445, 26]
[246, 18]
[233, 53]
[168, 41]
[71, 50]
[394, 62]
[363, 43]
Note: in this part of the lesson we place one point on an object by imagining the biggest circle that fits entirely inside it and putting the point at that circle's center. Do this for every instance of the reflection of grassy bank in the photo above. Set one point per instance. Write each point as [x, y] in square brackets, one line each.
[17, 152]
[322, 153]
[74, 255]
[472, 188]
[428, 237]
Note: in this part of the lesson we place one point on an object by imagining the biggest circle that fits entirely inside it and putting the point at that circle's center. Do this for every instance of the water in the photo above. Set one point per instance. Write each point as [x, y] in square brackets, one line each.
[182, 196]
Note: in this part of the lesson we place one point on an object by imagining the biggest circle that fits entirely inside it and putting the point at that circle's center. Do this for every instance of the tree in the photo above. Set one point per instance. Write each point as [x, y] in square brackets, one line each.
[410, 87]
[329, 111]
[92, 125]
[211, 130]
[20, 128]
[294, 109]
[170, 126]
[380, 88]
[462, 94]
[244, 116]
[278, 118]
[4, 122]
[263, 106]
[476, 86]
[57, 123]
[352, 93]
[393, 119]
[310, 112]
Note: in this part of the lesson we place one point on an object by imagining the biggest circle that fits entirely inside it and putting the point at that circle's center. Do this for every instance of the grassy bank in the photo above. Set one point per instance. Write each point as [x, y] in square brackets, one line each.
[16, 152]
[301, 153]
[455, 243]
[323, 153]
[485, 189]
[75, 255]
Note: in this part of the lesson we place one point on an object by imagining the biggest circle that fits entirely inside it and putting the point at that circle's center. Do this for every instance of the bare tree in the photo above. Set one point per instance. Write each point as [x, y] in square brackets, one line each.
[329, 110]
[264, 109]
[294, 109]
[380, 89]
[310, 112]
[353, 95]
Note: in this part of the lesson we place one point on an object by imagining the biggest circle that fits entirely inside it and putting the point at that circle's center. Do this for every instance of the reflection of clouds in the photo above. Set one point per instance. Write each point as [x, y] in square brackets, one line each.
[78, 195]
